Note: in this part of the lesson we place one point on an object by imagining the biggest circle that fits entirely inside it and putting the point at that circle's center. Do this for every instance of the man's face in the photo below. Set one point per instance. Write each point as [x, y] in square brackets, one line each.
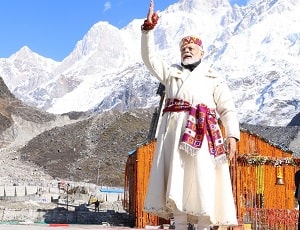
[191, 53]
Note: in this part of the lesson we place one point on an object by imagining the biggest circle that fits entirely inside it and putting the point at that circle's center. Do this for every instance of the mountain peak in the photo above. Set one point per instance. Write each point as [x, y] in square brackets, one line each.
[24, 52]
[254, 47]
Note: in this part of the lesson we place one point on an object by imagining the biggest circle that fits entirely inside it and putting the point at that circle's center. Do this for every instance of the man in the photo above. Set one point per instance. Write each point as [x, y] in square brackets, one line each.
[190, 178]
[97, 204]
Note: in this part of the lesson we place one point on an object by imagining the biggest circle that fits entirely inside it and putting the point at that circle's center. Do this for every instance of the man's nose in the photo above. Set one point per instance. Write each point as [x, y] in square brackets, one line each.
[185, 49]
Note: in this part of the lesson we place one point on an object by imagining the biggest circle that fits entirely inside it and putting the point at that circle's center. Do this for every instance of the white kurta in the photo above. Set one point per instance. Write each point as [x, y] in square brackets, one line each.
[195, 185]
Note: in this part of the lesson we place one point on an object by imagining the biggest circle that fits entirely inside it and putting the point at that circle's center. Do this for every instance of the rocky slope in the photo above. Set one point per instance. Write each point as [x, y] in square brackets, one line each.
[75, 146]
[93, 150]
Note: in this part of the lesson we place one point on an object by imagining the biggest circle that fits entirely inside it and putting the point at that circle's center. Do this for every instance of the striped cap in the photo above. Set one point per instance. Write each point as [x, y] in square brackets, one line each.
[190, 39]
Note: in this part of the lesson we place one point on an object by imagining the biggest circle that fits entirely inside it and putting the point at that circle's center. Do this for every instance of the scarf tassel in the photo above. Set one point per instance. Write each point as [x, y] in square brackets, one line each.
[190, 150]
[221, 159]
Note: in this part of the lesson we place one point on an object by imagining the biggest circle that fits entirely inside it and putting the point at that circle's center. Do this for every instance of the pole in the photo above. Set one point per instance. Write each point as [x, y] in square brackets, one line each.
[68, 196]
[98, 173]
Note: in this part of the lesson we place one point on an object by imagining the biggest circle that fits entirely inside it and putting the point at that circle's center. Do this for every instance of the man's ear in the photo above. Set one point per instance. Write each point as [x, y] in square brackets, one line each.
[202, 53]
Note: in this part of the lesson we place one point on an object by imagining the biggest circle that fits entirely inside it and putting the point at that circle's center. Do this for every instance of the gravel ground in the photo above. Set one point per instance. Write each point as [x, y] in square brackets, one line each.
[59, 227]
[15, 171]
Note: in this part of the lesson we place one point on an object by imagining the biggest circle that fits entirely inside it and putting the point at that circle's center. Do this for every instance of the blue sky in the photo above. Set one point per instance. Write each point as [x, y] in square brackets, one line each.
[52, 28]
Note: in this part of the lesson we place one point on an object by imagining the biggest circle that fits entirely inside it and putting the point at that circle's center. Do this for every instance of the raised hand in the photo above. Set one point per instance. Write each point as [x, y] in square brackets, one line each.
[152, 18]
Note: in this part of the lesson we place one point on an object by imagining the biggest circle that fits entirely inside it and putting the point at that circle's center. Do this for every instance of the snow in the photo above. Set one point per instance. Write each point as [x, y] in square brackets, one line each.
[255, 47]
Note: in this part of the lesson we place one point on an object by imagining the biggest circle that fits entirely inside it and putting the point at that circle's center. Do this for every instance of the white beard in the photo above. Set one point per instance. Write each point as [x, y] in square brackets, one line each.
[189, 61]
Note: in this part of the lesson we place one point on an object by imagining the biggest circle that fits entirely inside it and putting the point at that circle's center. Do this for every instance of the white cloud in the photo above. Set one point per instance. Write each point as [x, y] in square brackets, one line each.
[107, 6]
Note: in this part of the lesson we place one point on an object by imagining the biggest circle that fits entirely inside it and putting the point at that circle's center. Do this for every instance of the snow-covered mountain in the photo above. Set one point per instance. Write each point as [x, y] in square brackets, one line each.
[255, 47]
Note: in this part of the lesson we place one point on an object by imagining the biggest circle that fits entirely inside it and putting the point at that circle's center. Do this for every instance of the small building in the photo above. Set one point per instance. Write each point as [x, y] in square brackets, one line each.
[136, 180]
[263, 176]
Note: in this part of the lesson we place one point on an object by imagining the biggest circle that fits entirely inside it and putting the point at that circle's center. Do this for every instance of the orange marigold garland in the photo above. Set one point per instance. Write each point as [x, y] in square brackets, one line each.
[254, 159]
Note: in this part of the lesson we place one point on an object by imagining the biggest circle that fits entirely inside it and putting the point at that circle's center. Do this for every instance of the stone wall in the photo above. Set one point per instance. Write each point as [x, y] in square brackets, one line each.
[48, 204]
[109, 217]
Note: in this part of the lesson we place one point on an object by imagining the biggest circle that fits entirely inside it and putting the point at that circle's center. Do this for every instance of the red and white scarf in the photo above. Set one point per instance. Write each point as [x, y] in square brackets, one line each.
[202, 121]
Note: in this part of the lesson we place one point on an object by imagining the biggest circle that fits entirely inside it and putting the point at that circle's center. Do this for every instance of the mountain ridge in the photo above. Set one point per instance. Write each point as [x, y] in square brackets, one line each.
[256, 56]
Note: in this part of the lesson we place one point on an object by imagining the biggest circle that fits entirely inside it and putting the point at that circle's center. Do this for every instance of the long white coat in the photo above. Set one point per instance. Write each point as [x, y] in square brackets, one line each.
[195, 185]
